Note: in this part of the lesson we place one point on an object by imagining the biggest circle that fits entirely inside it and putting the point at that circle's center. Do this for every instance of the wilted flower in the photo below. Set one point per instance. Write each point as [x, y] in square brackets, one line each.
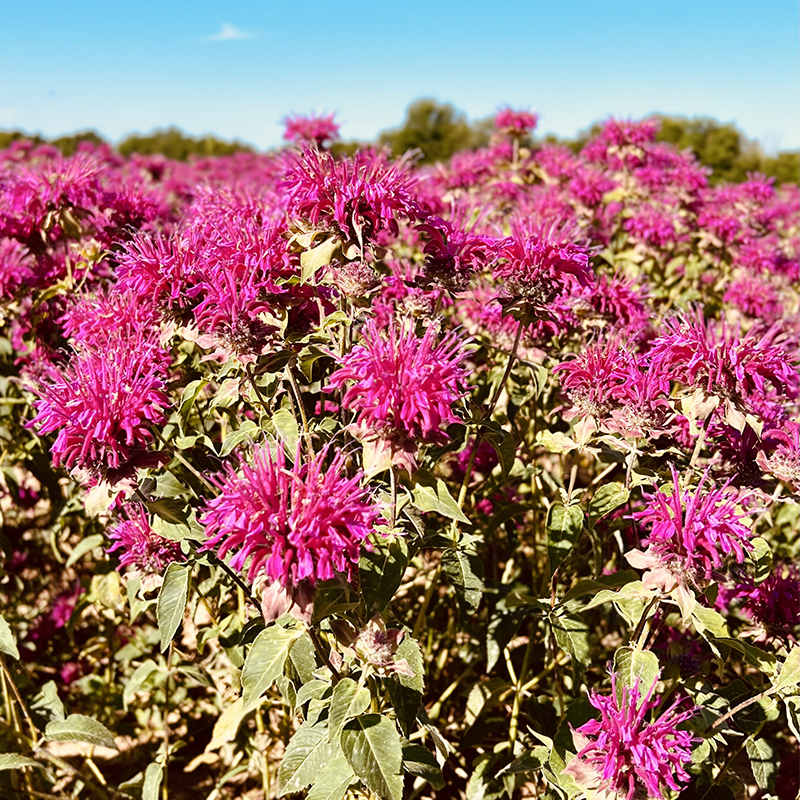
[403, 388]
[622, 755]
[692, 534]
[139, 547]
[374, 645]
[297, 525]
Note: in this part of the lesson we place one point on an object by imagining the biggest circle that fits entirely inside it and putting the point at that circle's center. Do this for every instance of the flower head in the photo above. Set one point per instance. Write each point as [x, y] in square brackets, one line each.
[403, 388]
[622, 755]
[310, 130]
[515, 123]
[297, 525]
[691, 535]
[139, 547]
[102, 403]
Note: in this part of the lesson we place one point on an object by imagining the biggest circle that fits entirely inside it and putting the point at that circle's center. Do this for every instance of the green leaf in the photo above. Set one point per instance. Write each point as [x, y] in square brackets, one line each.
[303, 657]
[631, 591]
[434, 496]
[8, 644]
[528, 762]
[790, 671]
[381, 572]
[138, 679]
[247, 431]
[190, 394]
[606, 499]
[708, 620]
[564, 525]
[419, 761]
[371, 744]
[172, 601]
[793, 714]
[15, 761]
[286, 428]
[151, 788]
[464, 569]
[171, 509]
[78, 728]
[334, 781]
[406, 703]
[305, 759]
[505, 447]
[572, 636]
[46, 706]
[761, 660]
[409, 649]
[631, 664]
[264, 662]
[313, 690]
[83, 547]
[348, 701]
[763, 762]
[761, 557]
[317, 257]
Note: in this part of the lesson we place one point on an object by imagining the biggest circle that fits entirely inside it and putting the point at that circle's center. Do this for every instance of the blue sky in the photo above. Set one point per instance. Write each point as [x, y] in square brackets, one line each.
[236, 69]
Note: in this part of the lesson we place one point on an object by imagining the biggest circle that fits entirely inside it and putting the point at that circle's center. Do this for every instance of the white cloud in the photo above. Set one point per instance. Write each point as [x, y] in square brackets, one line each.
[230, 33]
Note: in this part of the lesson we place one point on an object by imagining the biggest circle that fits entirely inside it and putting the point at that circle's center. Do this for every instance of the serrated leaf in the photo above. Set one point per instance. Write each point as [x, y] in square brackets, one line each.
[430, 496]
[83, 547]
[153, 776]
[313, 690]
[419, 761]
[264, 662]
[15, 761]
[464, 569]
[303, 657]
[528, 762]
[606, 499]
[333, 783]
[305, 759]
[790, 671]
[79, 728]
[632, 665]
[763, 762]
[631, 591]
[371, 744]
[708, 620]
[317, 257]
[348, 701]
[8, 644]
[172, 601]
[564, 525]
[46, 706]
[382, 572]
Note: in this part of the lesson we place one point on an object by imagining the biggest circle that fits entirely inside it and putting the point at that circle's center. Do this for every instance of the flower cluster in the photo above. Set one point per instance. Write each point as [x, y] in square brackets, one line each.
[139, 547]
[310, 130]
[622, 755]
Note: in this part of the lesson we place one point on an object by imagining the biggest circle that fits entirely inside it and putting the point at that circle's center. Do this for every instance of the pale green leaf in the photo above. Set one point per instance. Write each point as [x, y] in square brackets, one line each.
[333, 782]
[632, 666]
[172, 601]
[463, 569]
[8, 644]
[78, 728]
[15, 761]
[265, 661]
[606, 499]
[348, 701]
[763, 761]
[83, 547]
[371, 744]
[307, 755]
[564, 525]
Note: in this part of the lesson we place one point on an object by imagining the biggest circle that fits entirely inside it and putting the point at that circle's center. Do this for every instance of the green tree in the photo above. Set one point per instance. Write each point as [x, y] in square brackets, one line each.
[436, 129]
[175, 144]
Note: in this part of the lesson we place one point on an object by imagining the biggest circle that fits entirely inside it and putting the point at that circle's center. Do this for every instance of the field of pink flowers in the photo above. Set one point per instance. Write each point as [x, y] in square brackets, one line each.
[343, 477]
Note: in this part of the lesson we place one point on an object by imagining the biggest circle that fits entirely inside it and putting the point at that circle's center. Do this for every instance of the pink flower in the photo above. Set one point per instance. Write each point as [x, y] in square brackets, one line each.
[515, 123]
[355, 198]
[310, 130]
[102, 403]
[691, 535]
[540, 266]
[297, 525]
[403, 388]
[621, 755]
[140, 547]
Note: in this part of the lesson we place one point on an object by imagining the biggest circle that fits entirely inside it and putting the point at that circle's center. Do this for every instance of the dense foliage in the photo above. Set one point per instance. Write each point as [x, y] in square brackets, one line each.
[345, 476]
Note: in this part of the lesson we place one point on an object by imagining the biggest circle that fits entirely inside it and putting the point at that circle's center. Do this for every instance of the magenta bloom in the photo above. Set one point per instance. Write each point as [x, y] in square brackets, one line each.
[102, 403]
[310, 130]
[692, 534]
[403, 388]
[541, 266]
[624, 755]
[300, 524]
[140, 547]
[515, 123]
[356, 198]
